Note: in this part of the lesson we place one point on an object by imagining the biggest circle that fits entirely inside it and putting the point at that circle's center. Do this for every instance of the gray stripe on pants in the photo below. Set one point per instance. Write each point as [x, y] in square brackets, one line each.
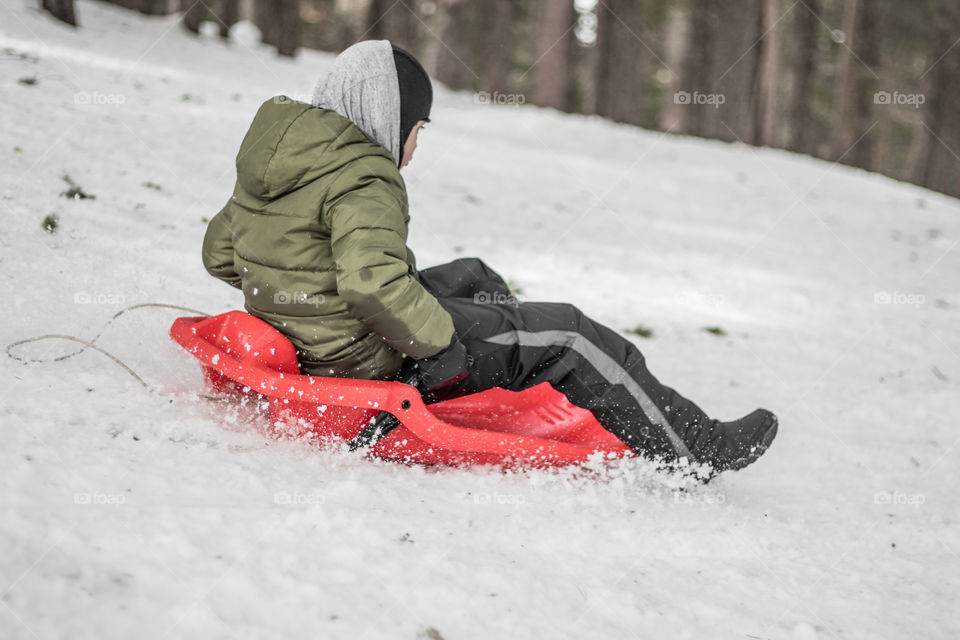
[605, 366]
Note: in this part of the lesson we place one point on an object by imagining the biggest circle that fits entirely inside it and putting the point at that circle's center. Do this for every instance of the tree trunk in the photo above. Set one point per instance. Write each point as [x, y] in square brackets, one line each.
[437, 22]
[839, 126]
[279, 24]
[551, 70]
[623, 61]
[735, 72]
[697, 72]
[800, 120]
[404, 26]
[193, 14]
[769, 75]
[126, 4]
[941, 168]
[228, 14]
[373, 23]
[676, 30]
[864, 81]
[580, 66]
[154, 7]
[61, 10]
[390, 20]
[266, 18]
[497, 47]
[452, 51]
[288, 24]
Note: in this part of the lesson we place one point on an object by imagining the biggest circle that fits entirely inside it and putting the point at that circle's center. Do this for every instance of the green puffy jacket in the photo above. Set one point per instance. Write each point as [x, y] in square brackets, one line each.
[315, 236]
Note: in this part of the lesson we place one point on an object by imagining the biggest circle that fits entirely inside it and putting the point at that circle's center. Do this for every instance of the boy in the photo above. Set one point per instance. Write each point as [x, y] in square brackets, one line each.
[315, 236]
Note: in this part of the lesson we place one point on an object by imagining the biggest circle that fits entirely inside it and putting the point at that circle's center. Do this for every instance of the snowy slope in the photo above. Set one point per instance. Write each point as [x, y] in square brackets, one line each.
[135, 514]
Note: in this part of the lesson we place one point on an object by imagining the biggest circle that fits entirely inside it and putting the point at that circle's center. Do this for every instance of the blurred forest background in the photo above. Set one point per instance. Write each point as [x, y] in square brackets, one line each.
[869, 83]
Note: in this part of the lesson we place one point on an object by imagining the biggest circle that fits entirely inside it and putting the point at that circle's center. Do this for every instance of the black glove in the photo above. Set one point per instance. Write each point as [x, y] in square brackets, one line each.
[433, 376]
[446, 368]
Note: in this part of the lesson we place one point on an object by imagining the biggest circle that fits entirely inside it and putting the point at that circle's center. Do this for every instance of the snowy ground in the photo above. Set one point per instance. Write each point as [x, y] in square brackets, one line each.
[134, 514]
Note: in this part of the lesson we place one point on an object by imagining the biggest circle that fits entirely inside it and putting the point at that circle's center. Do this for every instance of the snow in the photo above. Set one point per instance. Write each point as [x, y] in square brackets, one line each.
[127, 513]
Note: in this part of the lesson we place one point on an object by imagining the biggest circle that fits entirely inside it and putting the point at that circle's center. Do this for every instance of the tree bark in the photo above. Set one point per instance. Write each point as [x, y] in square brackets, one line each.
[551, 70]
[941, 168]
[452, 52]
[228, 14]
[734, 73]
[800, 120]
[676, 30]
[695, 70]
[279, 24]
[193, 14]
[623, 61]
[437, 22]
[391, 20]
[154, 7]
[497, 46]
[373, 24]
[864, 85]
[288, 24]
[769, 75]
[839, 125]
[265, 17]
[61, 10]
[360, 22]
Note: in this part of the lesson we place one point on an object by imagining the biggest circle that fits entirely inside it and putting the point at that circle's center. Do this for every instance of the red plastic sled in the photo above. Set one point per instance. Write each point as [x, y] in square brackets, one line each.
[538, 427]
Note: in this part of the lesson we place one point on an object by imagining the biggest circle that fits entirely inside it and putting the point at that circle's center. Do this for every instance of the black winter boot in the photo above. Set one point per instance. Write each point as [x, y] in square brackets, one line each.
[736, 444]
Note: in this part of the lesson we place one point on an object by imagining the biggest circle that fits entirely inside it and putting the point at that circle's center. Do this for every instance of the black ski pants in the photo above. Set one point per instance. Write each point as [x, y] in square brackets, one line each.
[516, 345]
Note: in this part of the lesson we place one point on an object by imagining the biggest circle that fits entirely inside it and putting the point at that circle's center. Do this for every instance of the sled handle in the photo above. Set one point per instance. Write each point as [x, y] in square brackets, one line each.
[384, 423]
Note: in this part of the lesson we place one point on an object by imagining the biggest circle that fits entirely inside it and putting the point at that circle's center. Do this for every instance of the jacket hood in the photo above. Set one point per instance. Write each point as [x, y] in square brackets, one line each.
[363, 87]
[290, 144]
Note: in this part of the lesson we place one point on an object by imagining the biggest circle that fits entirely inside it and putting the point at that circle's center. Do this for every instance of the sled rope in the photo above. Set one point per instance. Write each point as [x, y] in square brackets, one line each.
[90, 344]
[86, 345]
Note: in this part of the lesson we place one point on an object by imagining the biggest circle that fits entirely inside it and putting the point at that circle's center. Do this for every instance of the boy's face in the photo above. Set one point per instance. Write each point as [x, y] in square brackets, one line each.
[411, 144]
